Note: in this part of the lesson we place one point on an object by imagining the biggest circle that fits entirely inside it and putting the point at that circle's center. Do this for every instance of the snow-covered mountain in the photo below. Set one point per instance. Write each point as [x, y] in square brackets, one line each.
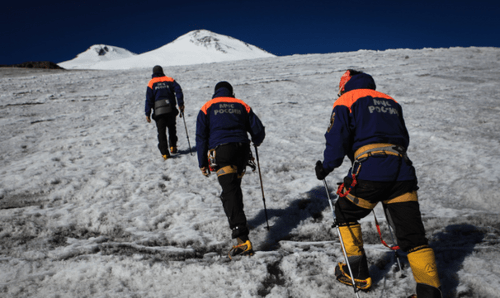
[195, 47]
[95, 55]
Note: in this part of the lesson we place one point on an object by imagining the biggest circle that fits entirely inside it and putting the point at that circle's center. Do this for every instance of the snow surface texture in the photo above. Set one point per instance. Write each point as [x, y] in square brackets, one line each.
[88, 208]
[195, 47]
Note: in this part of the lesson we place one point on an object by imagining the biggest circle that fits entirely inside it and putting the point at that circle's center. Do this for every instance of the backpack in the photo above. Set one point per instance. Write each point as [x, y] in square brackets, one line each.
[162, 106]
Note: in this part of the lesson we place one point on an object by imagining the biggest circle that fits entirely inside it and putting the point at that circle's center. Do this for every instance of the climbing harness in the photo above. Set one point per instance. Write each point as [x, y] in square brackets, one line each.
[362, 154]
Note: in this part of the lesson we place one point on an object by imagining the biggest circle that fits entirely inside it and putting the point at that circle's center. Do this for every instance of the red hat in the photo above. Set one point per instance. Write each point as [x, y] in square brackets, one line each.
[343, 80]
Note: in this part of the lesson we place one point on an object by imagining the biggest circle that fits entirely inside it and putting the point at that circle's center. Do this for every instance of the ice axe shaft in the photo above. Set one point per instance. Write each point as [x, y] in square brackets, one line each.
[261, 186]
[340, 238]
[185, 126]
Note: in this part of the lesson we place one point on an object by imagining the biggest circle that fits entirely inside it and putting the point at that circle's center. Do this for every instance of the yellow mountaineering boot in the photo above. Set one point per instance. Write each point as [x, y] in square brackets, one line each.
[423, 265]
[243, 248]
[173, 149]
[353, 242]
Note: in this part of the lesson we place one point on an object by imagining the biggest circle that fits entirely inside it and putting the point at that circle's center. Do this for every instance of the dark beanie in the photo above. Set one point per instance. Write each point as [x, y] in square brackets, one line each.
[224, 84]
[158, 69]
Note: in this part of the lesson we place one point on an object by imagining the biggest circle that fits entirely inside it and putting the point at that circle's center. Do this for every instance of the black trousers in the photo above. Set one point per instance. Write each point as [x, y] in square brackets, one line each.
[405, 214]
[236, 155]
[162, 123]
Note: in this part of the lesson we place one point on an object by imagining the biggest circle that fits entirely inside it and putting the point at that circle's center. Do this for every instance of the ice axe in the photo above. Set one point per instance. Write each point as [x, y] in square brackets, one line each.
[185, 126]
[340, 238]
[261, 185]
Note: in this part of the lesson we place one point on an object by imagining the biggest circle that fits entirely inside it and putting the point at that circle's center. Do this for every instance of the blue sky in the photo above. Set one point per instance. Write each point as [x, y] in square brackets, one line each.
[59, 30]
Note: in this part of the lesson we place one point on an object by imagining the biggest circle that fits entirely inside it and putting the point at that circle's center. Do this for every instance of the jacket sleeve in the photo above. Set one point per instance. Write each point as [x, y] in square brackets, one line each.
[256, 129]
[202, 134]
[338, 138]
[149, 101]
[178, 94]
[406, 135]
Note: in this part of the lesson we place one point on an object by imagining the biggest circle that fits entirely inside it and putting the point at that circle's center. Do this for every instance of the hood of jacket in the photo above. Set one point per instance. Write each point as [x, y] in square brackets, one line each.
[360, 81]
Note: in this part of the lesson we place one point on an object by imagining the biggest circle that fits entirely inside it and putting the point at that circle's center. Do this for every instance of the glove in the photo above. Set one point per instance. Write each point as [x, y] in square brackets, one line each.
[205, 171]
[148, 119]
[321, 173]
[182, 110]
[251, 162]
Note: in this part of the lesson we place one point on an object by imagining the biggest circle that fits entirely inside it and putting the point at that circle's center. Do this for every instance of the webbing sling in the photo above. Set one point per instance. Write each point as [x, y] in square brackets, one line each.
[394, 247]
[362, 154]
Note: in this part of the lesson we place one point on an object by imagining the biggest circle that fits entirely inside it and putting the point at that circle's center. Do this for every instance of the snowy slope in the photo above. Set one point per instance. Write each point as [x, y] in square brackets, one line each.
[195, 47]
[88, 208]
[96, 55]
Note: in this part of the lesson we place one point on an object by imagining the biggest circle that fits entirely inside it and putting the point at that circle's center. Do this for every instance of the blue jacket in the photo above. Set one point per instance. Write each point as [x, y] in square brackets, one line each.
[363, 116]
[225, 119]
[163, 87]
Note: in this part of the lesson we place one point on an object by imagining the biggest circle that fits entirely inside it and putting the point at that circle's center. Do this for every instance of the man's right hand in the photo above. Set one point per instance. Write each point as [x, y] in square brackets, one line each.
[148, 119]
[321, 173]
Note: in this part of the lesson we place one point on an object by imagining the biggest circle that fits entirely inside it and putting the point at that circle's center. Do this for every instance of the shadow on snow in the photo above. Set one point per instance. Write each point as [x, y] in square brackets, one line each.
[310, 206]
[451, 248]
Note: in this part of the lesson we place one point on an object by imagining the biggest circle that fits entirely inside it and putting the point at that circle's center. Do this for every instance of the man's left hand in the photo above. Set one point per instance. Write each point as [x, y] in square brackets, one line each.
[205, 171]
[148, 119]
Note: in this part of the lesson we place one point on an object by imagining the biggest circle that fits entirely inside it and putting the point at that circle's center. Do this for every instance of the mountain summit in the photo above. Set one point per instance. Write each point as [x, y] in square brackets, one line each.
[195, 47]
[96, 55]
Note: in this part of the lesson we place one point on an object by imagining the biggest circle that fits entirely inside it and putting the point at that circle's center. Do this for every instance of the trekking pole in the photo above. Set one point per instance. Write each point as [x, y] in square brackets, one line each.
[261, 185]
[185, 126]
[340, 238]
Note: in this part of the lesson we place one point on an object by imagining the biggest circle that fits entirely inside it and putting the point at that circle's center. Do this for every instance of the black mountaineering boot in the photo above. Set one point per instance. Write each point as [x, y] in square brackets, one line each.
[359, 267]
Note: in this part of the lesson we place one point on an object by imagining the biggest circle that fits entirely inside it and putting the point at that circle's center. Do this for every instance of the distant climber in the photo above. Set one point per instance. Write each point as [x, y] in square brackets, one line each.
[223, 146]
[162, 96]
